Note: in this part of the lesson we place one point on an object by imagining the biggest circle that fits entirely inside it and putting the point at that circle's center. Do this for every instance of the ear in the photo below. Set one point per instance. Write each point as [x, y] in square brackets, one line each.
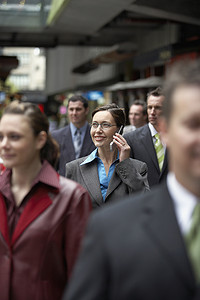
[41, 139]
[87, 110]
[163, 128]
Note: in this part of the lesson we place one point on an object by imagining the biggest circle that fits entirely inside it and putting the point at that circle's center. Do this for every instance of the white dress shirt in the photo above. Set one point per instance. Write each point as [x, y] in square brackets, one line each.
[184, 202]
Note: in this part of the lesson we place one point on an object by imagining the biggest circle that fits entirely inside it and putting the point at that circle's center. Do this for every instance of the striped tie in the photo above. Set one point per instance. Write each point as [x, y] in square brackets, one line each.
[77, 142]
[159, 151]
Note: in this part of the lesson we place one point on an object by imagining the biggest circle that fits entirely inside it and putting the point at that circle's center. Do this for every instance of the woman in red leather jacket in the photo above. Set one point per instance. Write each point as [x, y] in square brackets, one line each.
[42, 215]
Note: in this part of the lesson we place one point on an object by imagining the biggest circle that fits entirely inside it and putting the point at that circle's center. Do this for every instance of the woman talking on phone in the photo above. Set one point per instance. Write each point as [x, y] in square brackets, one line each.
[42, 215]
[108, 173]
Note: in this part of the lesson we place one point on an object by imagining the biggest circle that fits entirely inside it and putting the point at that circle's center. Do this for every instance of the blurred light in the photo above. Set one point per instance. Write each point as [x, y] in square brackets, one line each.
[36, 51]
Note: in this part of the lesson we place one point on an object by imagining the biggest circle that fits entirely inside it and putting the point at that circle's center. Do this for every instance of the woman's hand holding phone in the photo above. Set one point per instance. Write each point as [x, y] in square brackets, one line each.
[122, 145]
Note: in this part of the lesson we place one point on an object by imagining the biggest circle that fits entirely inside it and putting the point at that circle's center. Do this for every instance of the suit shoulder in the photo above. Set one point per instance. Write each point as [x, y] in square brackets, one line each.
[132, 134]
[76, 162]
[60, 131]
[128, 210]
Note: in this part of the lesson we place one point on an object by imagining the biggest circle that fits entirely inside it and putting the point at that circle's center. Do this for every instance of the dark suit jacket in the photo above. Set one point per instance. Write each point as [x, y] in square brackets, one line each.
[129, 176]
[67, 153]
[142, 148]
[134, 250]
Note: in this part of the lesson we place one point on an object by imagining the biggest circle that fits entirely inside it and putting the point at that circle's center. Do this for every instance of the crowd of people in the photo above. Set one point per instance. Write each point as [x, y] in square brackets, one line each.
[92, 212]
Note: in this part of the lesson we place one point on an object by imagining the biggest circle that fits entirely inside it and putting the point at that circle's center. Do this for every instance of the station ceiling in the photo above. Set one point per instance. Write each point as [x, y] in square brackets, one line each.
[31, 23]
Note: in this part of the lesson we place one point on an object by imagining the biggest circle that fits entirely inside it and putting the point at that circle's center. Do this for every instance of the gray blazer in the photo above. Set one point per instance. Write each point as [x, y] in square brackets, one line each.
[129, 176]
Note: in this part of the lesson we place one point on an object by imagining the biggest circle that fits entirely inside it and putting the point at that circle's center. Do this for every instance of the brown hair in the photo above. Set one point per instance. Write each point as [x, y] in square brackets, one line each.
[143, 104]
[156, 92]
[38, 122]
[117, 113]
[76, 98]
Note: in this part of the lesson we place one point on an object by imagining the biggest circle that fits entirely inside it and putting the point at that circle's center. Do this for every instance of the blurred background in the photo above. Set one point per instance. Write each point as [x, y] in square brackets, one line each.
[106, 50]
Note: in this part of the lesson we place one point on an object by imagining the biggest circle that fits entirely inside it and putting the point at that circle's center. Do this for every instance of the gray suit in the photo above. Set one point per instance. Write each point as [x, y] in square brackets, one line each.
[134, 250]
[129, 176]
[67, 153]
[142, 148]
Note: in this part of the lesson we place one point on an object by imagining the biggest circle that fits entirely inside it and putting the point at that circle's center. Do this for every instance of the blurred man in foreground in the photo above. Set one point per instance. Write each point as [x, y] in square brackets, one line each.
[147, 248]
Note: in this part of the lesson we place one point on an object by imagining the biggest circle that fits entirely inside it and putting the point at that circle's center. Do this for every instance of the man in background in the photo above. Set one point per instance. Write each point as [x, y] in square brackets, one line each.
[145, 141]
[137, 115]
[147, 247]
[74, 139]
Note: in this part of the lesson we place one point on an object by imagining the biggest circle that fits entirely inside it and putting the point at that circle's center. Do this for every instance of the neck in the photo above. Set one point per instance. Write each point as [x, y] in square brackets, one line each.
[191, 184]
[107, 156]
[24, 175]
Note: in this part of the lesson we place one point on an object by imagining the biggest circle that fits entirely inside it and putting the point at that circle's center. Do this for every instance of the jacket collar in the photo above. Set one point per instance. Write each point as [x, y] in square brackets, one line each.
[35, 206]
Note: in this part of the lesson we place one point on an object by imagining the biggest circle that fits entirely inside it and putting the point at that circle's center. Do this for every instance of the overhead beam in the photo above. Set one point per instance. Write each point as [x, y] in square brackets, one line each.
[56, 7]
[162, 14]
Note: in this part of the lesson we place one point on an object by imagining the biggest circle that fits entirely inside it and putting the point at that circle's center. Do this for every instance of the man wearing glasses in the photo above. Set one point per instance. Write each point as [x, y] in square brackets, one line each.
[108, 173]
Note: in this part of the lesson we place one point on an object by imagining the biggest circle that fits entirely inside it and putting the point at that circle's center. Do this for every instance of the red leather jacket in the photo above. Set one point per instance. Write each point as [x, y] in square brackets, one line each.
[37, 261]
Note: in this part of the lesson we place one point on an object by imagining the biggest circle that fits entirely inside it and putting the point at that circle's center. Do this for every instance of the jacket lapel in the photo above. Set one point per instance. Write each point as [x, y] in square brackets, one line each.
[35, 206]
[114, 182]
[161, 225]
[4, 220]
[146, 140]
[165, 163]
[91, 180]
[68, 146]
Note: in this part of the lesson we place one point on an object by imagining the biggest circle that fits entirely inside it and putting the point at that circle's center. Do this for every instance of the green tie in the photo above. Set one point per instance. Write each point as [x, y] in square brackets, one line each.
[159, 151]
[193, 242]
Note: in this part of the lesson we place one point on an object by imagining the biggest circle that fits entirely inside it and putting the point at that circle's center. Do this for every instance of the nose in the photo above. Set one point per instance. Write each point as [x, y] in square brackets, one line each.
[99, 128]
[152, 110]
[4, 142]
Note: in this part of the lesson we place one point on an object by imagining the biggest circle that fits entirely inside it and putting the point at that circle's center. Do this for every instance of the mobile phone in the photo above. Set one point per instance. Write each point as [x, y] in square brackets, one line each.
[112, 144]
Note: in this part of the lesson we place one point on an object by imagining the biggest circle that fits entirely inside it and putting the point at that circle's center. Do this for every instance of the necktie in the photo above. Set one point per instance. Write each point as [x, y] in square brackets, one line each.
[159, 151]
[77, 142]
[193, 242]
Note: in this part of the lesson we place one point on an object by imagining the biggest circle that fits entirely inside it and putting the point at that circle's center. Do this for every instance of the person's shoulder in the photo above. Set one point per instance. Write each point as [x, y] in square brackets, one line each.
[70, 186]
[76, 162]
[60, 131]
[129, 209]
[136, 132]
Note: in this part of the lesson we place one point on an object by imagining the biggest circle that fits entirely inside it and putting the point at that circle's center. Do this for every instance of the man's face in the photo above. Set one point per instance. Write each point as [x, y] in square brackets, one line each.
[77, 113]
[136, 116]
[182, 135]
[154, 109]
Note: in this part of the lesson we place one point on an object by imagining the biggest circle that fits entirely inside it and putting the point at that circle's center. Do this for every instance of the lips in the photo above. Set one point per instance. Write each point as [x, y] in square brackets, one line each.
[7, 156]
[99, 138]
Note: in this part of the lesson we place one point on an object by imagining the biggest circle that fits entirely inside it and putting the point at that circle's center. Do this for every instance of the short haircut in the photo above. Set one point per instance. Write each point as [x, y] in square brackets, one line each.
[75, 98]
[156, 92]
[142, 103]
[117, 113]
[182, 73]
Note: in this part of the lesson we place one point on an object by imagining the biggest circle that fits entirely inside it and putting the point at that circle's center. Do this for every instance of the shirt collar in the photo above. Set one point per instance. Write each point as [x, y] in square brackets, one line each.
[91, 157]
[94, 156]
[184, 202]
[74, 128]
[152, 129]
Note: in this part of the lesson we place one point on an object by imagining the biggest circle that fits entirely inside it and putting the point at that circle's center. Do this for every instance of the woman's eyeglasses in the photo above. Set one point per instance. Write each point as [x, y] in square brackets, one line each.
[103, 125]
